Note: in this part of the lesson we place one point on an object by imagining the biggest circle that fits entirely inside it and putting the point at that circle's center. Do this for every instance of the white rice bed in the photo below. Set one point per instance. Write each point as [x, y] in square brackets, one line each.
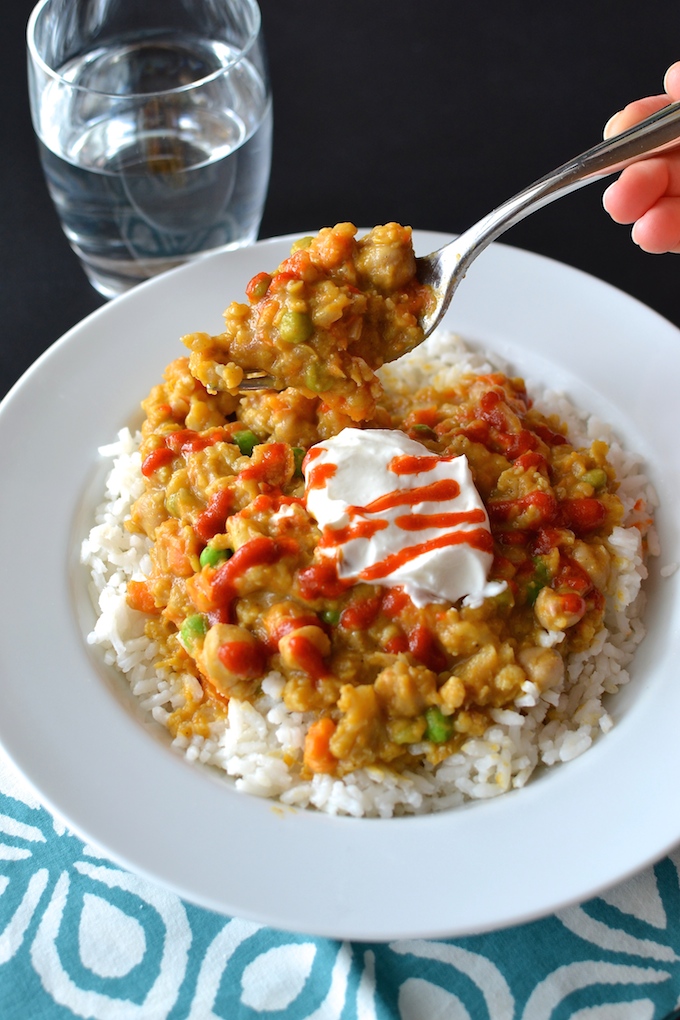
[261, 745]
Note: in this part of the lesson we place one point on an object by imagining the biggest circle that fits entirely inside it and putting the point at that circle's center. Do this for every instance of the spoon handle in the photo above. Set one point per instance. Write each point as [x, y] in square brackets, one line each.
[650, 136]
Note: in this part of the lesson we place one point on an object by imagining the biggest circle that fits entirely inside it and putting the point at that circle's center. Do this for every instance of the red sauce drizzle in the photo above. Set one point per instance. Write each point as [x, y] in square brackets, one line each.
[321, 581]
[308, 656]
[478, 539]
[211, 521]
[447, 488]
[420, 522]
[311, 455]
[361, 614]
[395, 601]
[189, 441]
[255, 553]
[270, 467]
[333, 537]
[285, 625]
[409, 464]
[156, 459]
[320, 475]
[243, 658]
[439, 491]
[397, 644]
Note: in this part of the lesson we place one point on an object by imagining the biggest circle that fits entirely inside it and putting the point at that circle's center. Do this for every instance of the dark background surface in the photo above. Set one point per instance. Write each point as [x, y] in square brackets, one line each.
[429, 112]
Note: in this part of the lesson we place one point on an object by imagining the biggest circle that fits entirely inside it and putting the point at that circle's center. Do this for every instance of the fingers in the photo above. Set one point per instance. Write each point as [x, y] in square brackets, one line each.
[647, 193]
[634, 113]
[658, 230]
[637, 189]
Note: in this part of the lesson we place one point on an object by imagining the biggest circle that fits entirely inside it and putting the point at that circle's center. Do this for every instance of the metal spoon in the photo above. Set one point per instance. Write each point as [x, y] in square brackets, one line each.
[444, 269]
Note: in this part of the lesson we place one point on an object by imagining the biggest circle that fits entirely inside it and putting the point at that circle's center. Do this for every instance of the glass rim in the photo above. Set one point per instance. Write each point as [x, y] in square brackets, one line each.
[39, 60]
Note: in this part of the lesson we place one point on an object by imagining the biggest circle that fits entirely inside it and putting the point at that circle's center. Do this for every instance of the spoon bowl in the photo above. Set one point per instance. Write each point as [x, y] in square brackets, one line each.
[444, 269]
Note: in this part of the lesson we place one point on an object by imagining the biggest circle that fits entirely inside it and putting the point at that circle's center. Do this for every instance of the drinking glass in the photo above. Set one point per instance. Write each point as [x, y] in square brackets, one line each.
[154, 123]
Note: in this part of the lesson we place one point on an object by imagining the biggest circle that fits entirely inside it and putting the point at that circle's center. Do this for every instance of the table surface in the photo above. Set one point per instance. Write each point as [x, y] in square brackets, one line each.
[429, 113]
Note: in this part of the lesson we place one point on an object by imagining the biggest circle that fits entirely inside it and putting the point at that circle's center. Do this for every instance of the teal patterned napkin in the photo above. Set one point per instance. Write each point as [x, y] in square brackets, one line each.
[81, 938]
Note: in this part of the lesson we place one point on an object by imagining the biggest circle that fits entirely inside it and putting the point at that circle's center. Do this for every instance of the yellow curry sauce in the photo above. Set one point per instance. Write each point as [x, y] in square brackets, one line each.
[239, 585]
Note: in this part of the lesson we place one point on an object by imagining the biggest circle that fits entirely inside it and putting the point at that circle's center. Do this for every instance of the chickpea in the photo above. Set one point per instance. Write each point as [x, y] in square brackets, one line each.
[595, 560]
[543, 666]
[233, 660]
[305, 648]
[556, 611]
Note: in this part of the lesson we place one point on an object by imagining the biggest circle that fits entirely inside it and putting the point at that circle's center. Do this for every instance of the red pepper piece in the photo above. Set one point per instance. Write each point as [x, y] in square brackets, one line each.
[424, 646]
[582, 514]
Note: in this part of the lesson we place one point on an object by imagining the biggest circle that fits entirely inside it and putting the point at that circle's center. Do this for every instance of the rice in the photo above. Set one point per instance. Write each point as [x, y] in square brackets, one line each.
[260, 745]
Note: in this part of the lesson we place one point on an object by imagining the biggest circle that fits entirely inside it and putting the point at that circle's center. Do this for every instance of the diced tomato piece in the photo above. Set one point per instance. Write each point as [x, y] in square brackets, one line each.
[582, 514]
[424, 646]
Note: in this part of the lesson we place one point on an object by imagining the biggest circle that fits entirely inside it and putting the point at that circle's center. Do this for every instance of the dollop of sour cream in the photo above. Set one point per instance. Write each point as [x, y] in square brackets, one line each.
[392, 513]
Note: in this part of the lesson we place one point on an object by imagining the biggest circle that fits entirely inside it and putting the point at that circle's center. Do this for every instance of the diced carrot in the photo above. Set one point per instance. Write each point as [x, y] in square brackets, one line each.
[140, 598]
[317, 755]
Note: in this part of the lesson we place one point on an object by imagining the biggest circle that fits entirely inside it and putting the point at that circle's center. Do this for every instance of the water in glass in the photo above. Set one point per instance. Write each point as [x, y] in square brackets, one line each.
[141, 185]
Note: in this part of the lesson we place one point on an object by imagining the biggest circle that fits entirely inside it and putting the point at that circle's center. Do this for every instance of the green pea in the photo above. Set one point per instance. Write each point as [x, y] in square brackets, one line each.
[193, 628]
[538, 580]
[597, 477]
[210, 557]
[260, 286]
[295, 327]
[302, 242]
[315, 378]
[298, 457]
[407, 731]
[330, 616]
[439, 727]
[246, 442]
[179, 501]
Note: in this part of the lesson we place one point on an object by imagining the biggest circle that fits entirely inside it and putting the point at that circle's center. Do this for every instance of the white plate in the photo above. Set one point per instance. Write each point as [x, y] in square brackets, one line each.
[68, 727]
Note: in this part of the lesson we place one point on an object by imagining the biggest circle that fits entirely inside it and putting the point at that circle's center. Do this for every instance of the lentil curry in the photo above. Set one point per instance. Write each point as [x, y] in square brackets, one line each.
[239, 585]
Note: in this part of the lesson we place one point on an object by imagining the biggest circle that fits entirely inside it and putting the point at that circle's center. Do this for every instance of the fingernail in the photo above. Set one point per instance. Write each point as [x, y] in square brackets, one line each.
[609, 129]
[672, 69]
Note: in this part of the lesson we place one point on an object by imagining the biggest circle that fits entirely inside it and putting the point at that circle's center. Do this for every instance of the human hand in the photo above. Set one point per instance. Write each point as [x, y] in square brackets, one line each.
[647, 194]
